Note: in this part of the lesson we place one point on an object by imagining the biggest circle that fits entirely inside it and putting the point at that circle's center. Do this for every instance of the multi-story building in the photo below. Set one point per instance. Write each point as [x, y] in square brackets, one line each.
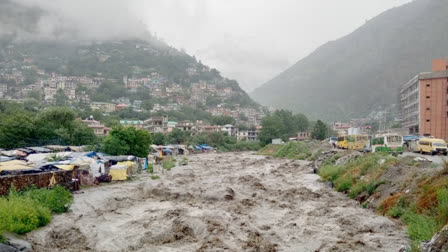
[424, 102]
[252, 134]
[103, 106]
[185, 126]
[157, 124]
[242, 135]
[98, 128]
[230, 129]
[135, 123]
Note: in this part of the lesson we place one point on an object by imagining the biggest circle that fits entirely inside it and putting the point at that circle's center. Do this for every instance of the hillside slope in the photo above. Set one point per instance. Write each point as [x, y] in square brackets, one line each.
[362, 71]
[120, 69]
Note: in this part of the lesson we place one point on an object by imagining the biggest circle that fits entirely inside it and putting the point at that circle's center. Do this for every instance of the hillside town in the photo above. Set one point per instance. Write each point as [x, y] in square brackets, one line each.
[214, 96]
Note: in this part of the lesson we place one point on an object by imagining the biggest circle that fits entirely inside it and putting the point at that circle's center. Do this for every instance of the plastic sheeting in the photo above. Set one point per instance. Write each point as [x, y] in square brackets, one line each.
[14, 165]
[131, 166]
[118, 172]
[65, 167]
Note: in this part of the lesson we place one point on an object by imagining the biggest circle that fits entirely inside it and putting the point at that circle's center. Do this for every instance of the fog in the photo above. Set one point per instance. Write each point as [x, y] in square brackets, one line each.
[80, 20]
[250, 41]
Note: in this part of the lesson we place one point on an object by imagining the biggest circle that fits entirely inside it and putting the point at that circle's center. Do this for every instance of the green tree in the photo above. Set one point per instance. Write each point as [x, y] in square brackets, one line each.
[320, 130]
[60, 98]
[158, 138]
[272, 128]
[16, 131]
[301, 122]
[31, 104]
[243, 117]
[222, 120]
[35, 95]
[177, 136]
[212, 100]
[128, 141]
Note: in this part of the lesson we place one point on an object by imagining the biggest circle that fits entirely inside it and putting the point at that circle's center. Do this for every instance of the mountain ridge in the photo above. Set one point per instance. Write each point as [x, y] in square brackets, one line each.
[362, 71]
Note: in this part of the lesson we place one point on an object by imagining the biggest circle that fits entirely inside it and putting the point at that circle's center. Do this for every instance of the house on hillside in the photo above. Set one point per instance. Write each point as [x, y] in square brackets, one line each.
[98, 128]
[103, 106]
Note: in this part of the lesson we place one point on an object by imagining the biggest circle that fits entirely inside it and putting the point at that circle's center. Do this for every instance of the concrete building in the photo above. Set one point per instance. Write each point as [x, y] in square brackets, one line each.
[424, 102]
[243, 135]
[185, 126]
[230, 129]
[98, 128]
[103, 106]
[157, 124]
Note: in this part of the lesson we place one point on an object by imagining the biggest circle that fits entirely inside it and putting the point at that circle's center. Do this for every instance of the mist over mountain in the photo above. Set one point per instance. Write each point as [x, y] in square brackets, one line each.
[80, 20]
[363, 71]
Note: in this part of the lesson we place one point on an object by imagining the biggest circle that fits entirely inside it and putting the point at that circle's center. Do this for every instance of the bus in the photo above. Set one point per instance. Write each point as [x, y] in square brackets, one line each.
[432, 146]
[342, 142]
[387, 143]
[357, 142]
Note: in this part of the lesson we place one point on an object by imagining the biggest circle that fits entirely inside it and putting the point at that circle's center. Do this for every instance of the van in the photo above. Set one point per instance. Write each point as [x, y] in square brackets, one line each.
[432, 146]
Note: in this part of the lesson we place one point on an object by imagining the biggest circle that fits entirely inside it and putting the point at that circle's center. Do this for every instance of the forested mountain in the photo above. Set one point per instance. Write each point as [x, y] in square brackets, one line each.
[363, 71]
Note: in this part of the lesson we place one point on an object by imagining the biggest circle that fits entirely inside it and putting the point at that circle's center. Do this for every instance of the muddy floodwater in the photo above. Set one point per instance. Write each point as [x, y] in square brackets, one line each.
[232, 202]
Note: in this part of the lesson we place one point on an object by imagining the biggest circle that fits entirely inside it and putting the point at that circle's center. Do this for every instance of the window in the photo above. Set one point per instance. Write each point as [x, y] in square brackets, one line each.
[428, 85]
[428, 108]
[427, 120]
[427, 97]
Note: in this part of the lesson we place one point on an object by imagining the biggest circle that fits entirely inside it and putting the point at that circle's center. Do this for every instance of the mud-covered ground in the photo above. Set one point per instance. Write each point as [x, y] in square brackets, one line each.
[233, 202]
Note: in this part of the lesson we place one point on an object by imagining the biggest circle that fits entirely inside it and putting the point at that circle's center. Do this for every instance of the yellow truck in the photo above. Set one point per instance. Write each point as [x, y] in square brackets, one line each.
[432, 146]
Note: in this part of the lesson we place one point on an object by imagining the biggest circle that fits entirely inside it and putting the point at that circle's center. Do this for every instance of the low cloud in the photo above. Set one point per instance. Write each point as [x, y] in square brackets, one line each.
[81, 20]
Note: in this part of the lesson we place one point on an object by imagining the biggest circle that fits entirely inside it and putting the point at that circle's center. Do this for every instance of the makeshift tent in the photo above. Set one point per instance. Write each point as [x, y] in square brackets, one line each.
[118, 172]
[66, 167]
[167, 152]
[131, 167]
[14, 165]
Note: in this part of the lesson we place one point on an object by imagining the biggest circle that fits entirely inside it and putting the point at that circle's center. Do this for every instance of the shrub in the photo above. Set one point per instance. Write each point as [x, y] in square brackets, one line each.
[420, 227]
[154, 177]
[25, 215]
[396, 211]
[240, 146]
[57, 200]
[343, 184]
[357, 189]
[150, 168]
[24, 212]
[294, 150]
[168, 164]
[330, 172]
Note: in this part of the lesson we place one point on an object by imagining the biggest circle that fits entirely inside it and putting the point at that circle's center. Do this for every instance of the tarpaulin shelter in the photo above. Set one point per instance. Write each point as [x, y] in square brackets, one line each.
[167, 152]
[118, 172]
[14, 165]
[131, 167]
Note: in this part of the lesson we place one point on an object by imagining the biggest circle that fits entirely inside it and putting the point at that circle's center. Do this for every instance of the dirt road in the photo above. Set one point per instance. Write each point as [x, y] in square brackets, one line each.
[233, 202]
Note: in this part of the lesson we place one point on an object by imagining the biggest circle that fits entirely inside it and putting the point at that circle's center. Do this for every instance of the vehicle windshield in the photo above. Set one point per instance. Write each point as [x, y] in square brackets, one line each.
[333, 138]
[438, 144]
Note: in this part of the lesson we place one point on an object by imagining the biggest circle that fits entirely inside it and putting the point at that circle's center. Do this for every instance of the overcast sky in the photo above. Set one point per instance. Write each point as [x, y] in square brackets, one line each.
[254, 40]
[248, 40]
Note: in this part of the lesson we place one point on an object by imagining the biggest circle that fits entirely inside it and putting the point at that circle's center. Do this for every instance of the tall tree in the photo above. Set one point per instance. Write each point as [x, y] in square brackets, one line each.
[320, 130]
[128, 141]
[60, 98]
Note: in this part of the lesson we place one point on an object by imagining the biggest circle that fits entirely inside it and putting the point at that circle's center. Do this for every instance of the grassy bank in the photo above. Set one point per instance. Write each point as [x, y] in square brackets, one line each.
[240, 146]
[290, 150]
[404, 190]
[25, 211]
